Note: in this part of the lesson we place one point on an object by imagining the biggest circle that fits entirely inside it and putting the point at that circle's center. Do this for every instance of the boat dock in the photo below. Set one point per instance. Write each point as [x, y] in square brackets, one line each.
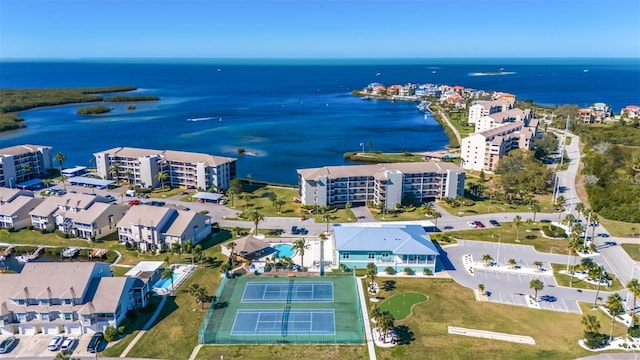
[98, 253]
[6, 252]
[30, 255]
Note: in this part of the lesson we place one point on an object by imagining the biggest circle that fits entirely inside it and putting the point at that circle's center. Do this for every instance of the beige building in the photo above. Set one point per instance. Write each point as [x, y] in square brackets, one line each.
[483, 108]
[483, 150]
[382, 184]
[81, 215]
[15, 206]
[503, 117]
[142, 166]
[153, 227]
[23, 162]
[71, 297]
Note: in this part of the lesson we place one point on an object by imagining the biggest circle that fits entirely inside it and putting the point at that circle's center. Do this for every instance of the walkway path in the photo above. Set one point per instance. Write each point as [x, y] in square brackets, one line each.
[491, 335]
[367, 323]
[450, 125]
[146, 327]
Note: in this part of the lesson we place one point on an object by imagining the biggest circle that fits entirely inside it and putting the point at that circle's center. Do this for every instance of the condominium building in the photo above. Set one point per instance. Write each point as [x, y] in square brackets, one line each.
[483, 150]
[381, 184]
[503, 117]
[15, 205]
[71, 297]
[484, 108]
[141, 167]
[23, 162]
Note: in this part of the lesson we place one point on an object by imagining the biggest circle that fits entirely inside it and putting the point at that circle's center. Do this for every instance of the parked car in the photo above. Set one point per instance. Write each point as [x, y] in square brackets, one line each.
[157, 203]
[472, 224]
[7, 344]
[67, 344]
[448, 227]
[55, 343]
[134, 202]
[110, 198]
[303, 231]
[294, 230]
[479, 224]
[494, 222]
[94, 343]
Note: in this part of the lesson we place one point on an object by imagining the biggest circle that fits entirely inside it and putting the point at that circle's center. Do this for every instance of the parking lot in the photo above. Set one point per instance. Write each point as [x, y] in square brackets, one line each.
[36, 346]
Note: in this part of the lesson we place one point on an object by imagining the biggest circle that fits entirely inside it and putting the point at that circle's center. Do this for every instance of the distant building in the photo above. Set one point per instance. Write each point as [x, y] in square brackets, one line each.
[381, 184]
[483, 150]
[79, 215]
[71, 297]
[385, 245]
[15, 206]
[141, 167]
[23, 162]
[485, 108]
[631, 111]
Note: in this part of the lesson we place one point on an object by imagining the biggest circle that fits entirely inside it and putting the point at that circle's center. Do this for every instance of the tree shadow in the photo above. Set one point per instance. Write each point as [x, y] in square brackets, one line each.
[404, 334]
[389, 285]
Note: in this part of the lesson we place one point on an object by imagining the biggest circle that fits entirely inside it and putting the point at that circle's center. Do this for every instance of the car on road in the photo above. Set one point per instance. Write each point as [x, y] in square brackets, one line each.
[604, 235]
[494, 222]
[110, 198]
[472, 224]
[7, 344]
[157, 203]
[55, 343]
[610, 243]
[67, 344]
[222, 202]
[479, 224]
[94, 344]
[448, 228]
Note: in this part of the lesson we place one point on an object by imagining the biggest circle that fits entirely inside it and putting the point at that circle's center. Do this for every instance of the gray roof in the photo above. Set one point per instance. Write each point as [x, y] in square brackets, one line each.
[169, 155]
[397, 239]
[208, 196]
[108, 294]
[247, 245]
[145, 215]
[184, 219]
[376, 170]
[21, 149]
[18, 203]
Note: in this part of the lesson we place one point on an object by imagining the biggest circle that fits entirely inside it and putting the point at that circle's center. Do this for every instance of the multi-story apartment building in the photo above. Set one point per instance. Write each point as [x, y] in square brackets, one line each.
[141, 167]
[382, 184]
[81, 215]
[483, 150]
[15, 206]
[71, 297]
[151, 228]
[483, 108]
[503, 117]
[23, 162]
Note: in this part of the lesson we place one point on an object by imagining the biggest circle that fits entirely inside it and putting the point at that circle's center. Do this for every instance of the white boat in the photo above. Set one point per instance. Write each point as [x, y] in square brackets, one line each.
[23, 259]
[585, 70]
[71, 251]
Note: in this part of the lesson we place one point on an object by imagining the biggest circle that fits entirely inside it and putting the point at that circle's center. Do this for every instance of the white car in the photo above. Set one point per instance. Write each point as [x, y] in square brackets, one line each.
[55, 343]
[472, 224]
[67, 344]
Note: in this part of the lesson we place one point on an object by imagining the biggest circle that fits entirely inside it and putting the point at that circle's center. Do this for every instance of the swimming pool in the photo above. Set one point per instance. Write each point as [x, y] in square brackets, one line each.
[166, 283]
[285, 250]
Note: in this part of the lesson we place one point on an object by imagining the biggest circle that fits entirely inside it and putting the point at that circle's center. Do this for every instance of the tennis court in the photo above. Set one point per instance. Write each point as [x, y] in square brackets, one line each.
[284, 310]
[287, 322]
[288, 292]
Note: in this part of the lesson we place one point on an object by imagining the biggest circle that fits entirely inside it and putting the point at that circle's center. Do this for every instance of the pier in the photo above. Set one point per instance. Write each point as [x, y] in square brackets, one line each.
[30, 256]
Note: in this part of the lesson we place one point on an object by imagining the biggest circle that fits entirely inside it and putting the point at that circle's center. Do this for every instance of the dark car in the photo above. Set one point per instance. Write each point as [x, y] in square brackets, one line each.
[7, 344]
[479, 224]
[294, 230]
[494, 222]
[94, 343]
[448, 227]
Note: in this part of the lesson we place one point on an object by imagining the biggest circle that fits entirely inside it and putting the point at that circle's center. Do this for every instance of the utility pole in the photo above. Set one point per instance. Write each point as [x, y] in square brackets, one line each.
[564, 141]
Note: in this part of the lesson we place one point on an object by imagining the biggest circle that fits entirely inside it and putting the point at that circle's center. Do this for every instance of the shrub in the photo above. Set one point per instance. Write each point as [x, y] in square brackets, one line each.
[110, 333]
[634, 331]
[389, 270]
[408, 271]
[595, 340]
[427, 271]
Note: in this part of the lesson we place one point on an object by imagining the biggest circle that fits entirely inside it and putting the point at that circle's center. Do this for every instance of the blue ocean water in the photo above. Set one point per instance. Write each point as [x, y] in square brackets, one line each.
[290, 114]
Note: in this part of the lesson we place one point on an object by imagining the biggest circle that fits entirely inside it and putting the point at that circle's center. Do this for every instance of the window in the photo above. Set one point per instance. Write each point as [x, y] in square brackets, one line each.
[372, 256]
[68, 316]
[385, 254]
[345, 255]
[67, 301]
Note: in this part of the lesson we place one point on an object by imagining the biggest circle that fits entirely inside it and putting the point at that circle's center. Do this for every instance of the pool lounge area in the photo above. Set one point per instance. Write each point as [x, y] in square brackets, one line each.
[180, 274]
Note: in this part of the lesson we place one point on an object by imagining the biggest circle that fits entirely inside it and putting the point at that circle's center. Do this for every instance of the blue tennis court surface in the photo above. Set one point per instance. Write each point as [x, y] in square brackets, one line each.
[284, 322]
[288, 292]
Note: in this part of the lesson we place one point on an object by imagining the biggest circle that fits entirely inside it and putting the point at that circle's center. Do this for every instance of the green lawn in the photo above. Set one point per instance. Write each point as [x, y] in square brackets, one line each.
[424, 335]
[273, 352]
[257, 197]
[633, 250]
[620, 228]
[400, 305]
[565, 279]
[506, 233]
[376, 157]
[487, 206]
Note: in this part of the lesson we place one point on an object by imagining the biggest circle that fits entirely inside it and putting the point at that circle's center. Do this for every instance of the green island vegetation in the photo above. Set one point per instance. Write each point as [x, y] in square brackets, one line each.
[15, 100]
[400, 305]
[380, 157]
[93, 110]
[564, 279]
[131, 98]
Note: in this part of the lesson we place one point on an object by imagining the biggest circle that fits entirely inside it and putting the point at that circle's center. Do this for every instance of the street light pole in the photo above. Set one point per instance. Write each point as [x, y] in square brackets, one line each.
[595, 301]
[498, 256]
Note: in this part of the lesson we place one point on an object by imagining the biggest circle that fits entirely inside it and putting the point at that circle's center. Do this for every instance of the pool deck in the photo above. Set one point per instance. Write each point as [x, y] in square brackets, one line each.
[183, 271]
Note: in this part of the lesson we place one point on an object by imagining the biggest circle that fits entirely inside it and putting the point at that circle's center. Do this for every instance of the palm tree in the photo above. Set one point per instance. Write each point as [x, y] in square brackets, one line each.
[162, 176]
[580, 208]
[634, 289]
[569, 219]
[193, 290]
[114, 171]
[201, 296]
[591, 324]
[372, 273]
[615, 307]
[369, 145]
[387, 324]
[512, 262]
[487, 259]
[560, 202]
[538, 264]
[232, 247]
[278, 204]
[517, 221]
[255, 216]
[127, 174]
[535, 206]
[436, 215]
[168, 273]
[250, 178]
[575, 245]
[59, 157]
[235, 188]
[176, 247]
[481, 289]
[197, 253]
[536, 285]
[300, 245]
[47, 182]
[326, 218]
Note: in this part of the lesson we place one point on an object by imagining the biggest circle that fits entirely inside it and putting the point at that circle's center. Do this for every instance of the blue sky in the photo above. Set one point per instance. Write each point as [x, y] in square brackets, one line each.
[319, 28]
